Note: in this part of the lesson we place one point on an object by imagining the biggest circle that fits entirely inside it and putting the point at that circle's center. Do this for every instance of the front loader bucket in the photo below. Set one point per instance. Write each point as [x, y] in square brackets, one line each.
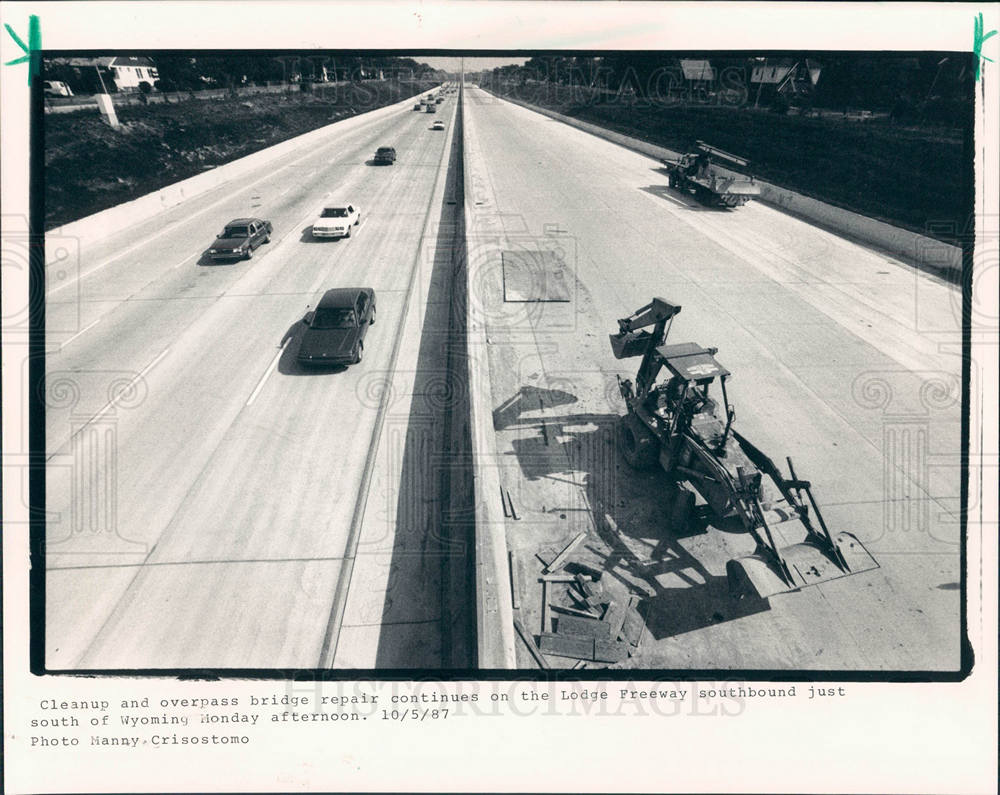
[808, 563]
[629, 344]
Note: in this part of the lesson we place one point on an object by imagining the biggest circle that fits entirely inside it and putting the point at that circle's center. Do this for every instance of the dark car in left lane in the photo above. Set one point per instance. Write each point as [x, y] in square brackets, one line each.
[335, 330]
[240, 237]
[384, 156]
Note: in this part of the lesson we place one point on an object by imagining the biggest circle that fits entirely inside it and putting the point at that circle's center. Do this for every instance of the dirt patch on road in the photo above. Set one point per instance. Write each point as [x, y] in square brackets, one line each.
[89, 167]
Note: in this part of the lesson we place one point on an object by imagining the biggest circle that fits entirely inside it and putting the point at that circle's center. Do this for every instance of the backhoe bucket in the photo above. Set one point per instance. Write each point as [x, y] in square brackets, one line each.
[808, 563]
[629, 344]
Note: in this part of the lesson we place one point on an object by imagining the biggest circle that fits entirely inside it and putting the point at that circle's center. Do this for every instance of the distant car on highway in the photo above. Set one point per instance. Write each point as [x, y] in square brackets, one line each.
[56, 88]
[240, 237]
[432, 108]
[385, 155]
[438, 125]
[439, 100]
[336, 221]
[419, 106]
[335, 331]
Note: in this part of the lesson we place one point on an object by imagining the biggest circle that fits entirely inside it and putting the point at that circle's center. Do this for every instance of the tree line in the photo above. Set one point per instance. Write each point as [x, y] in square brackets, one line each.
[194, 72]
[906, 85]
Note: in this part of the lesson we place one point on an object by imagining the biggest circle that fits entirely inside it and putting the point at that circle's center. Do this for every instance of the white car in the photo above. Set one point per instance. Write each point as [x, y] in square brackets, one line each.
[438, 125]
[56, 88]
[336, 220]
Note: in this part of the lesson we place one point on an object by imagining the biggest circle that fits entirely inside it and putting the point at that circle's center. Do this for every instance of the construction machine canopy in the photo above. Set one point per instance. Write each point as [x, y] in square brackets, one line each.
[691, 362]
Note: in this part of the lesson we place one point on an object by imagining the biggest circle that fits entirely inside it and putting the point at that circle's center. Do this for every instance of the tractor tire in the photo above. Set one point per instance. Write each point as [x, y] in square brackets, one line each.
[637, 443]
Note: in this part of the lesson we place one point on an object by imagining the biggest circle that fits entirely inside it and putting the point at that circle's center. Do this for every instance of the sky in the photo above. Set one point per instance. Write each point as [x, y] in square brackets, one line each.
[471, 64]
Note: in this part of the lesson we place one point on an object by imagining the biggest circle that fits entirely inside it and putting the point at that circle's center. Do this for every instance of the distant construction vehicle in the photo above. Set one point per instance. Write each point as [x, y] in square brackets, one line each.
[693, 173]
[677, 424]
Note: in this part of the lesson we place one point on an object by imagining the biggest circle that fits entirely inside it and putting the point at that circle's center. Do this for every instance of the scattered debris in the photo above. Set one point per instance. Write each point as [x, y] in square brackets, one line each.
[545, 607]
[635, 625]
[596, 627]
[515, 581]
[572, 611]
[584, 627]
[583, 648]
[581, 568]
[614, 617]
[510, 503]
[530, 643]
[563, 556]
[558, 578]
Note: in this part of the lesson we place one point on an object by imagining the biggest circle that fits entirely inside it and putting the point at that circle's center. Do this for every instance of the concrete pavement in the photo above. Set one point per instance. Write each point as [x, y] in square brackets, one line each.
[204, 491]
[843, 358]
[201, 485]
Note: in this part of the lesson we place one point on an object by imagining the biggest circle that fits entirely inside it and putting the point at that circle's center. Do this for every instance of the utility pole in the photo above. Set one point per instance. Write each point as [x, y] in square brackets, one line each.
[104, 103]
[104, 89]
[760, 85]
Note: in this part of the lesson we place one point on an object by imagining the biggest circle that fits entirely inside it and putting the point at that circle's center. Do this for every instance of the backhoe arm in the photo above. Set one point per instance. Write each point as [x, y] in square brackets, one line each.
[656, 311]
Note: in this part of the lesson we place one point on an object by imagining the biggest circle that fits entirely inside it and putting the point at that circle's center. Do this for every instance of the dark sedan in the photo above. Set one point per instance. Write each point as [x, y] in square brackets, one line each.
[335, 331]
[385, 155]
[240, 238]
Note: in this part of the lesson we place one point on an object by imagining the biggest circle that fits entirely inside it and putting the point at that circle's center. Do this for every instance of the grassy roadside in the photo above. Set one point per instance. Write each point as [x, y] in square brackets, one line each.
[89, 167]
[908, 177]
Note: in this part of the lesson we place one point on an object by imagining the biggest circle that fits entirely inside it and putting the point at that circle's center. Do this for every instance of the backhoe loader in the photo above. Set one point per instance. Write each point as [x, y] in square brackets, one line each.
[694, 173]
[677, 423]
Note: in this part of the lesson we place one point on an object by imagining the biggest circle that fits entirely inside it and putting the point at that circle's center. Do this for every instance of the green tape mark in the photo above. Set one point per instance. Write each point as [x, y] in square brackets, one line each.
[977, 42]
[34, 45]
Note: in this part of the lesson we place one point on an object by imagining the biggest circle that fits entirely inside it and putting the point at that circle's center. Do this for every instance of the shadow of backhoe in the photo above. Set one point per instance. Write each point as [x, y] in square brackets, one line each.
[682, 199]
[641, 517]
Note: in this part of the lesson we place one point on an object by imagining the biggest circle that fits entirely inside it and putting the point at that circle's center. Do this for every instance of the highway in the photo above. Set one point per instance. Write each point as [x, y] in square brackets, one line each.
[213, 505]
[843, 358]
[202, 488]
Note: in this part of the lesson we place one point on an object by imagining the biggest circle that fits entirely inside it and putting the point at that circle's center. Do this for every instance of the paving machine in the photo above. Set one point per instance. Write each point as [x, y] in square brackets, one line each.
[693, 172]
[677, 423]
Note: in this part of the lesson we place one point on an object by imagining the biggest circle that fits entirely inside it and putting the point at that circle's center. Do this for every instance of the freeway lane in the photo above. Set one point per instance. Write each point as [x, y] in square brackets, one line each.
[199, 513]
[843, 358]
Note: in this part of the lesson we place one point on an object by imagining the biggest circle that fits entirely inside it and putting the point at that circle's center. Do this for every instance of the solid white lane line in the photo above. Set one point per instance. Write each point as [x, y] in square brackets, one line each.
[80, 333]
[114, 401]
[267, 374]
